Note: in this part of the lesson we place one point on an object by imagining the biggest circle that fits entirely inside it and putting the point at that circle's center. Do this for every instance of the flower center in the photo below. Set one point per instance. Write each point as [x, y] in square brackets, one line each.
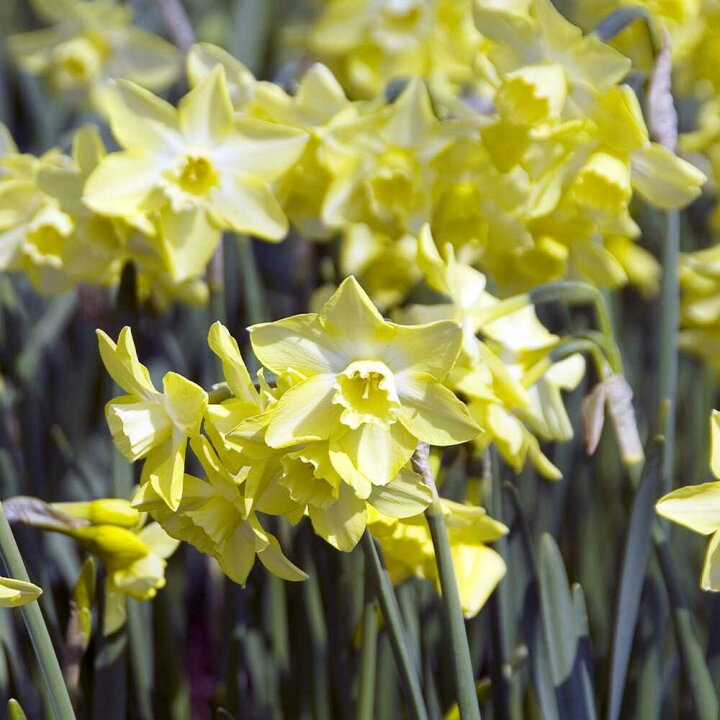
[197, 176]
[77, 62]
[303, 483]
[400, 24]
[366, 390]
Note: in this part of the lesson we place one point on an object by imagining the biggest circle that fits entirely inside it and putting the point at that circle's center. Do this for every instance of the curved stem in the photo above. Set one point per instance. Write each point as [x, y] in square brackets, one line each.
[39, 636]
[391, 613]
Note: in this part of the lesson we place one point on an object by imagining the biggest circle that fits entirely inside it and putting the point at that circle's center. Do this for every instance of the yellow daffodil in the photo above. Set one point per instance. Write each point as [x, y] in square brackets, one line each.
[90, 43]
[697, 507]
[219, 518]
[33, 227]
[14, 593]
[147, 424]
[196, 158]
[408, 550]
[369, 387]
[382, 165]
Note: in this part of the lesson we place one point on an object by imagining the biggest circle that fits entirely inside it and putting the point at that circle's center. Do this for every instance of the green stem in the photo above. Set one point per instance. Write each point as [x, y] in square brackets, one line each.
[452, 609]
[579, 292]
[391, 613]
[58, 696]
[256, 308]
[366, 704]
[216, 284]
[669, 321]
[461, 661]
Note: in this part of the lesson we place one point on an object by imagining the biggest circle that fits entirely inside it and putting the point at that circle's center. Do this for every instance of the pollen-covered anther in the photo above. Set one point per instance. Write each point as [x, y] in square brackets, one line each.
[366, 390]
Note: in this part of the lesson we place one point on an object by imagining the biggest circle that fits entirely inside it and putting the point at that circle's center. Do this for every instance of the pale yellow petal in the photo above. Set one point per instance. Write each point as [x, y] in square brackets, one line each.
[663, 179]
[343, 523]
[297, 343]
[432, 413]
[304, 413]
[695, 506]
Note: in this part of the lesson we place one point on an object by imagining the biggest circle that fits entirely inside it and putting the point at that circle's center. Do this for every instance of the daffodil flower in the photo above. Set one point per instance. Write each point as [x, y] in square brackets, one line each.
[90, 43]
[219, 518]
[196, 158]
[408, 550]
[369, 387]
[382, 164]
[150, 425]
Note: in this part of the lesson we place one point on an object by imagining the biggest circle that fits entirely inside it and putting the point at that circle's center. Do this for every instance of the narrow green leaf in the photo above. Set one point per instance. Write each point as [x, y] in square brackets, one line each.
[695, 668]
[635, 557]
[558, 616]
[584, 648]
[531, 621]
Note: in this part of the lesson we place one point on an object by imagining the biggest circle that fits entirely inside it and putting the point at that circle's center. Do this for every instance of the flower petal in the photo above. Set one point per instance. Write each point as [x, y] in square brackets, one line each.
[478, 569]
[206, 114]
[273, 558]
[236, 373]
[121, 361]
[663, 179]
[430, 348]
[343, 523]
[185, 402]
[305, 412]
[140, 119]
[695, 506]
[296, 343]
[353, 321]
[261, 150]
[376, 451]
[404, 496]
[240, 205]
[122, 183]
[432, 413]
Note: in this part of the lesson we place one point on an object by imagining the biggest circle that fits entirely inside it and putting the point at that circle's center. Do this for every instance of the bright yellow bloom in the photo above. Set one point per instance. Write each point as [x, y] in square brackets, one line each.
[489, 370]
[369, 387]
[14, 593]
[33, 227]
[218, 516]
[90, 43]
[383, 165]
[150, 425]
[196, 158]
[408, 550]
[697, 507]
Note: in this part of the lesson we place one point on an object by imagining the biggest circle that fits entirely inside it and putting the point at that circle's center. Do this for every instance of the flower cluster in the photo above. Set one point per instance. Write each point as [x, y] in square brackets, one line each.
[333, 435]
[529, 178]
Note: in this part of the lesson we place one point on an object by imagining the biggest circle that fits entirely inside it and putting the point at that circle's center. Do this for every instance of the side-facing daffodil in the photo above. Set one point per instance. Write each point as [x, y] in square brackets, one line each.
[151, 425]
[408, 550]
[218, 516]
